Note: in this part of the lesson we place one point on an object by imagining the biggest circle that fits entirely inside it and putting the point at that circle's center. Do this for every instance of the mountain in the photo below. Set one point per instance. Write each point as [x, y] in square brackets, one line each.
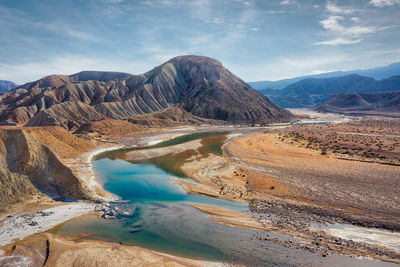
[388, 102]
[310, 92]
[280, 84]
[377, 73]
[200, 85]
[6, 86]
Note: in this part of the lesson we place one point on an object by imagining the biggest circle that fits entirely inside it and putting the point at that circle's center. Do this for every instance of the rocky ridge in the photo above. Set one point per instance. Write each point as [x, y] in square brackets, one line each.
[30, 169]
[201, 86]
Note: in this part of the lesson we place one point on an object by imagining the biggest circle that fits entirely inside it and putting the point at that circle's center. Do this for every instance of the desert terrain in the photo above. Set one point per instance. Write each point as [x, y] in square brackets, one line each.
[295, 179]
[275, 170]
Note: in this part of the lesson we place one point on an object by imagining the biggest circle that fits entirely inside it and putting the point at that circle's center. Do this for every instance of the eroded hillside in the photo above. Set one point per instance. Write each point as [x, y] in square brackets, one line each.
[30, 167]
[201, 86]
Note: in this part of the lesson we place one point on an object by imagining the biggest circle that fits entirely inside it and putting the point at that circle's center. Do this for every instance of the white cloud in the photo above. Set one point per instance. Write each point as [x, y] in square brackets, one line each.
[334, 9]
[275, 11]
[114, 1]
[157, 2]
[218, 21]
[337, 24]
[382, 3]
[288, 2]
[339, 41]
[332, 23]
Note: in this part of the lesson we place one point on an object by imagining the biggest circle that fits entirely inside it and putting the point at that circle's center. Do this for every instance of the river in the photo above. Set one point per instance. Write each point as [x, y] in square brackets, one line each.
[163, 221]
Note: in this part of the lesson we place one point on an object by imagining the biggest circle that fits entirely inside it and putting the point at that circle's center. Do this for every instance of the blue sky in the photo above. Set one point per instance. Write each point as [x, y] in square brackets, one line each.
[255, 39]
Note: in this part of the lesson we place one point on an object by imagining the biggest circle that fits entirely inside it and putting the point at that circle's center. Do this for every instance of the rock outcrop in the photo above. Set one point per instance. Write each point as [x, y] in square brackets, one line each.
[29, 168]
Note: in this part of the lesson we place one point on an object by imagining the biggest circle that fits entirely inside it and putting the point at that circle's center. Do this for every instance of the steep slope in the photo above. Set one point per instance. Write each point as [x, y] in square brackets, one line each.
[353, 102]
[6, 86]
[200, 85]
[170, 117]
[310, 92]
[29, 169]
[67, 115]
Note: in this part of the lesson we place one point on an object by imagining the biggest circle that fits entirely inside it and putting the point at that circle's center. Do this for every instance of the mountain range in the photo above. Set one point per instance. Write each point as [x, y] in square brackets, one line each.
[199, 85]
[312, 91]
[6, 86]
[378, 73]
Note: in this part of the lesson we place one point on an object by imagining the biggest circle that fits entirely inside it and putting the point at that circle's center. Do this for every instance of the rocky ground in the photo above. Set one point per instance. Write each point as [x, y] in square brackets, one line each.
[291, 188]
[295, 188]
[49, 250]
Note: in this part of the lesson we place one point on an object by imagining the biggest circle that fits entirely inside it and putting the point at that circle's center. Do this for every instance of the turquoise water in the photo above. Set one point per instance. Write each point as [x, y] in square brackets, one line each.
[145, 182]
[163, 220]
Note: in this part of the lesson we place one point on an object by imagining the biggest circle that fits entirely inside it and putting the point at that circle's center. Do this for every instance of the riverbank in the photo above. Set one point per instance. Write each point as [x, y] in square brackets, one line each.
[230, 218]
[236, 178]
[297, 187]
[32, 219]
[51, 250]
[19, 226]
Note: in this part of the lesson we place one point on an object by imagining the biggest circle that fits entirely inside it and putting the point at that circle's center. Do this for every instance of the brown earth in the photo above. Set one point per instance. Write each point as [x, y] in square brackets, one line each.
[109, 127]
[228, 217]
[292, 187]
[306, 175]
[32, 165]
[365, 140]
[48, 250]
[171, 117]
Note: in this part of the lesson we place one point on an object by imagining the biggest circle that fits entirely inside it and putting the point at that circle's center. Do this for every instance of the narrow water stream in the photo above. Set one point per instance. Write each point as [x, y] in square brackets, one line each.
[163, 220]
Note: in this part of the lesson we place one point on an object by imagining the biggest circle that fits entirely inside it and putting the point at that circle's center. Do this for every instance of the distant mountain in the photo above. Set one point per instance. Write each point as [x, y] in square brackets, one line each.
[280, 84]
[362, 103]
[311, 92]
[376, 73]
[199, 85]
[381, 72]
[6, 86]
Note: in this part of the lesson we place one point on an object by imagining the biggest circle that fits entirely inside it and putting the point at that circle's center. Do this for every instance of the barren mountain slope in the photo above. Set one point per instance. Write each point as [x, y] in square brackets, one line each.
[200, 85]
[29, 168]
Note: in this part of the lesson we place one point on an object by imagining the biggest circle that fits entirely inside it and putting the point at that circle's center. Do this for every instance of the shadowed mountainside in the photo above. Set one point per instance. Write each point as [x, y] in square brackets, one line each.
[378, 73]
[311, 92]
[199, 85]
[363, 102]
[6, 86]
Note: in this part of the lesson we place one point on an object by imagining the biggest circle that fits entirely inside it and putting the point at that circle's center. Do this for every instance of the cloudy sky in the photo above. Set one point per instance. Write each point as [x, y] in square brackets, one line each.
[255, 39]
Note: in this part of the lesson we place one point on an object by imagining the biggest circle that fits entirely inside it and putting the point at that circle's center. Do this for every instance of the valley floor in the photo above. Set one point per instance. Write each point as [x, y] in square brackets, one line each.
[291, 189]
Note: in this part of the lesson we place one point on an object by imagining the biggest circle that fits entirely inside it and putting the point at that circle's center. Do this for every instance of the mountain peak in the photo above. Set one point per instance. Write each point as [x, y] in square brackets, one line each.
[200, 85]
[102, 76]
[194, 59]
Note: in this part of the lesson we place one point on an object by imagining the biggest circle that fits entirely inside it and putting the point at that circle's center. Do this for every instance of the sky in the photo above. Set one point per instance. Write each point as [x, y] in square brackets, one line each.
[255, 39]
